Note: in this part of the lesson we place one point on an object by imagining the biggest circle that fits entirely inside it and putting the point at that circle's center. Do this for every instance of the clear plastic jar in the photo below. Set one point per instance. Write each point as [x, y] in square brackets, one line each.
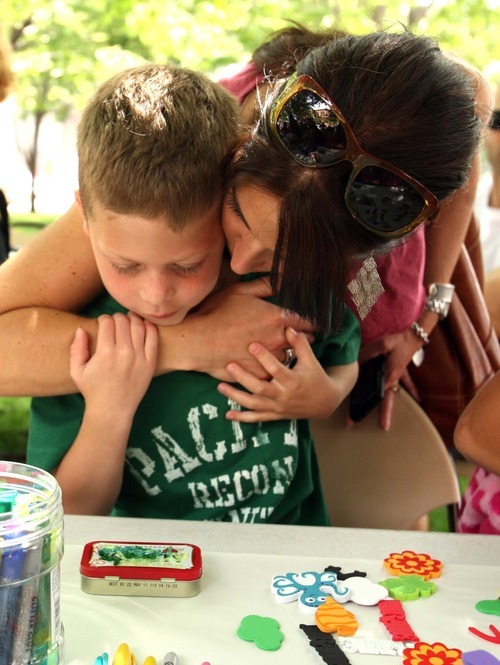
[31, 548]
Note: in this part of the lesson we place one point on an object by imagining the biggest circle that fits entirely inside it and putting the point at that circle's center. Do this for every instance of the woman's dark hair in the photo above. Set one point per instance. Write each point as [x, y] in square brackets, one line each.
[278, 56]
[408, 104]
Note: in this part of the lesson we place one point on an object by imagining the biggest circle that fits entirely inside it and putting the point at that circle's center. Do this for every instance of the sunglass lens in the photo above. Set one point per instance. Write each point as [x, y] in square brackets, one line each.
[384, 201]
[310, 130]
[495, 120]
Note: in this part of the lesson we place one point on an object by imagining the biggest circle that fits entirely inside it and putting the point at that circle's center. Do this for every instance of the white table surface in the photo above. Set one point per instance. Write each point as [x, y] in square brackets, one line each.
[239, 562]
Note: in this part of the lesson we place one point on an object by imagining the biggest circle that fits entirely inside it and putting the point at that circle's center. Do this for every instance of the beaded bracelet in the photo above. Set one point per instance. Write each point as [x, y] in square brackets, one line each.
[420, 332]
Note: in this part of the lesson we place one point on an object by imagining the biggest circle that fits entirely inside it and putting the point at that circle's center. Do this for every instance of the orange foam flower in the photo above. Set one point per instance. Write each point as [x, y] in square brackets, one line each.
[410, 563]
[431, 654]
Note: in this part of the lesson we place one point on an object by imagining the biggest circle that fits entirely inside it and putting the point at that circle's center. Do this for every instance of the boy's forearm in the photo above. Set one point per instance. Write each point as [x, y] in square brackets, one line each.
[342, 379]
[91, 473]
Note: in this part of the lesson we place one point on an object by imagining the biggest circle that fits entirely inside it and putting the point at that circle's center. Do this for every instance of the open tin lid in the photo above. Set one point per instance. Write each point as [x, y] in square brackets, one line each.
[141, 561]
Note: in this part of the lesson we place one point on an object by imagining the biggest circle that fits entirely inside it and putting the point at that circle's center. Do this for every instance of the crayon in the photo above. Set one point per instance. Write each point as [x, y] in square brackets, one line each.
[7, 500]
[124, 656]
[22, 638]
[10, 572]
[44, 609]
[170, 659]
[102, 659]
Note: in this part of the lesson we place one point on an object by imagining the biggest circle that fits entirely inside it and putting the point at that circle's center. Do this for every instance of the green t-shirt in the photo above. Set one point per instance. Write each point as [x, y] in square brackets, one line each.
[185, 460]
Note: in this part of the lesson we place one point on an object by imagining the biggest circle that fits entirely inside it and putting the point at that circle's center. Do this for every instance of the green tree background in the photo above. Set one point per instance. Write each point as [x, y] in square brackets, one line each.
[62, 49]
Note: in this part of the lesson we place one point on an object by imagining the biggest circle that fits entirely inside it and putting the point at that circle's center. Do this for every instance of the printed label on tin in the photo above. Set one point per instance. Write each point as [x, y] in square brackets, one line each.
[145, 556]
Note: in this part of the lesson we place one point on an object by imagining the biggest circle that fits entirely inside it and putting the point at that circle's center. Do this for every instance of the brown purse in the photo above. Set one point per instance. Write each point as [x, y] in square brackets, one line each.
[463, 352]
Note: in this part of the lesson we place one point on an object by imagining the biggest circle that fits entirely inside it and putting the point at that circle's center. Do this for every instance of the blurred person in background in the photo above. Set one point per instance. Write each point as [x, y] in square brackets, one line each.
[6, 82]
[487, 210]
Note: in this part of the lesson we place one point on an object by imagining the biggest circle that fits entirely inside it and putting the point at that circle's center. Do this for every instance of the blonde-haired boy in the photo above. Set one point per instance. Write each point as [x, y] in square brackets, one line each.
[152, 144]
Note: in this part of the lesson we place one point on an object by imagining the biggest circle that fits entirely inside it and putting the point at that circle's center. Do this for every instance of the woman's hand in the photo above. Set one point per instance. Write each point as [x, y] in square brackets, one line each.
[222, 329]
[304, 391]
[399, 349]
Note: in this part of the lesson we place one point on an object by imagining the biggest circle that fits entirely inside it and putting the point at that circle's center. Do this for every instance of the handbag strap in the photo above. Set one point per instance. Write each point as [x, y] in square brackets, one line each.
[472, 242]
[470, 322]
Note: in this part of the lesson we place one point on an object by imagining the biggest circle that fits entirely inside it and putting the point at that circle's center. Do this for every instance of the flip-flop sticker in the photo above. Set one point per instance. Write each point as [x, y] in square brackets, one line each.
[325, 646]
[393, 616]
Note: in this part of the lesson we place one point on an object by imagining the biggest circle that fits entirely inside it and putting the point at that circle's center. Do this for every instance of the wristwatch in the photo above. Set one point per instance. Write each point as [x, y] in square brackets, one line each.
[439, 299]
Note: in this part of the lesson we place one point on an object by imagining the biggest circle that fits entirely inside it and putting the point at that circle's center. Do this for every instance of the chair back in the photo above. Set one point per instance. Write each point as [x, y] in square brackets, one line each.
[4, 229]
[384, 479]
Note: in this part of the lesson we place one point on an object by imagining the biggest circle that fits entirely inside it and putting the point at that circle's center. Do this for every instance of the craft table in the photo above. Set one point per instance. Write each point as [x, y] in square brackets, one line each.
[239, 562]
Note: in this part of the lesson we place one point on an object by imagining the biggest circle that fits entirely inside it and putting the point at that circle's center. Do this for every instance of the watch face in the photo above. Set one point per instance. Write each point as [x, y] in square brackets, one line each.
[441, 292]
[439, 299]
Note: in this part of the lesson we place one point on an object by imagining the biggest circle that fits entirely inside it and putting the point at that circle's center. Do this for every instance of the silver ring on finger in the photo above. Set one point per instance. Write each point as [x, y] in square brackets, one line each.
[289, 357]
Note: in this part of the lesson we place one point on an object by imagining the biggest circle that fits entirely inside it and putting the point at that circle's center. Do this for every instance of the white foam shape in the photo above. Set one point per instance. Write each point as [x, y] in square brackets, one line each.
[372, 646]
[364, 591]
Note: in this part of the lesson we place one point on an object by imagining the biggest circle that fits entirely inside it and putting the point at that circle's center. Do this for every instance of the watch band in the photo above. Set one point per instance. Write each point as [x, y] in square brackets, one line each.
[439, 299]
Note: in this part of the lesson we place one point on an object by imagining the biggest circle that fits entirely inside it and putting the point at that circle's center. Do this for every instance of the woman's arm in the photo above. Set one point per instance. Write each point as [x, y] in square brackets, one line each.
[56, 271]
[443, 240]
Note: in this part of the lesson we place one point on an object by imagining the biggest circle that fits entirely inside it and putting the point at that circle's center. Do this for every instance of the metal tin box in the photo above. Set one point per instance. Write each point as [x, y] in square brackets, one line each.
[141, 569]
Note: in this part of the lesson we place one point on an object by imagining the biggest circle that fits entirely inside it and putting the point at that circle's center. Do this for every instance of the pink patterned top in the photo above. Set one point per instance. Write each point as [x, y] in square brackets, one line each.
[480, 508]
[386, 292]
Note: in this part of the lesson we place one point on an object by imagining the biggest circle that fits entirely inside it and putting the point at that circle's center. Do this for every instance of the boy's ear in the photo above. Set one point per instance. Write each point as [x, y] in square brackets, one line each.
[80, 208]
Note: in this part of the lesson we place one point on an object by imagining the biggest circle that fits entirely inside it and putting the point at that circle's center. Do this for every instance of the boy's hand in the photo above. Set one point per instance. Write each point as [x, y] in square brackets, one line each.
[305, 391]
[118, 374]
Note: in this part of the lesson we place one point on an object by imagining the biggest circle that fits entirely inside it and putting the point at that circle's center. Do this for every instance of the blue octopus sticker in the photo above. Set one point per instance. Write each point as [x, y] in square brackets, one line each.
[309, 589]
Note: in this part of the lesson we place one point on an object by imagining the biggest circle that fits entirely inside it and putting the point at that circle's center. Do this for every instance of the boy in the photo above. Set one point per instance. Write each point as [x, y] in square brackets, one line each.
[151, 147]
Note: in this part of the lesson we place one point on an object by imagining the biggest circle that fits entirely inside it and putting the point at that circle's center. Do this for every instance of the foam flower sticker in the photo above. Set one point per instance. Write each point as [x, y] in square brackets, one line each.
[264, 631]
[431, 654]
[310, 589]
[410, 563]
[409, 587]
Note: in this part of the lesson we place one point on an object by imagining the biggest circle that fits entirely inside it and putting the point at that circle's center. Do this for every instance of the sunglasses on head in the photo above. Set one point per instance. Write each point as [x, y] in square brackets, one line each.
[495, 120]
[381, 197]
